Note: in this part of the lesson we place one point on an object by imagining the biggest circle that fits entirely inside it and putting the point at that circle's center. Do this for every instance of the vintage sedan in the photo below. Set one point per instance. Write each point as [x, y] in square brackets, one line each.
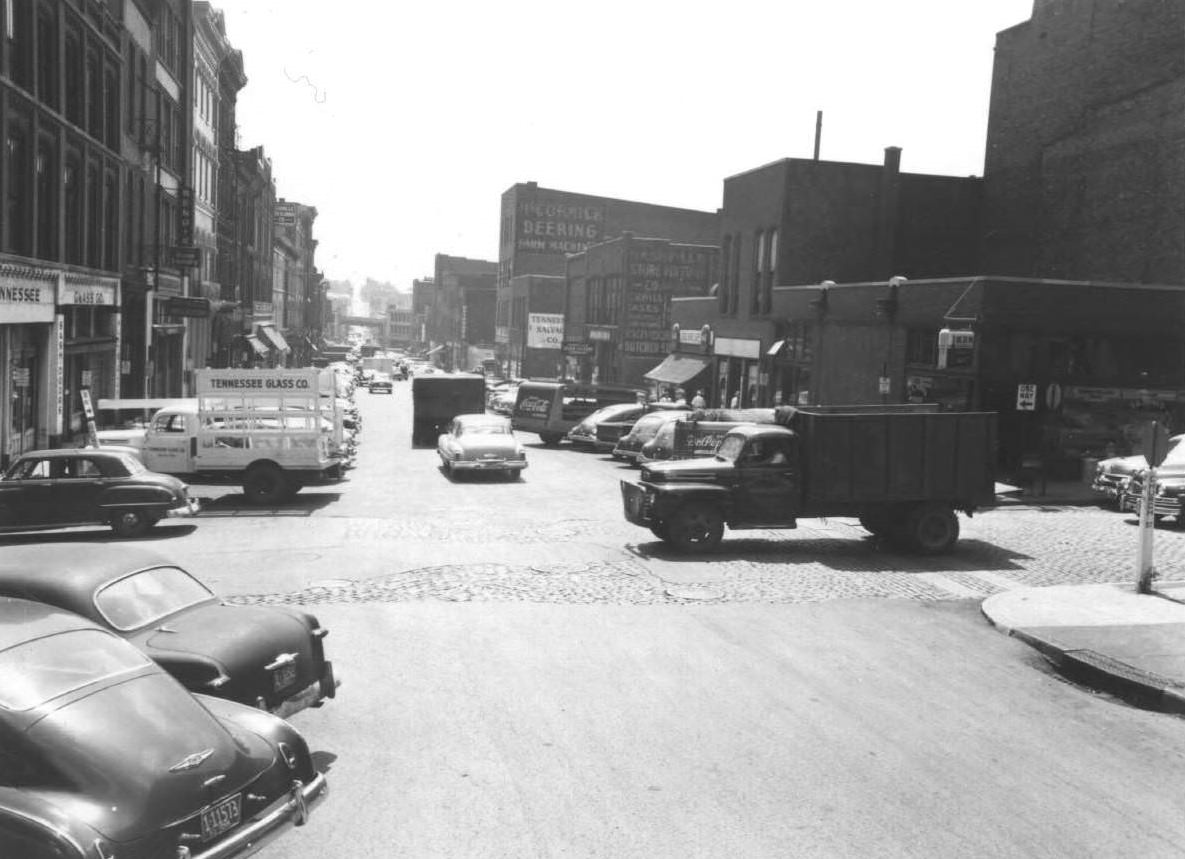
[481, 442]
[380, 384]
[269, 657]
[1168, 497]
[584, 434]
[629, 446]
[1112, 474]
[88, 486]
[105, 755]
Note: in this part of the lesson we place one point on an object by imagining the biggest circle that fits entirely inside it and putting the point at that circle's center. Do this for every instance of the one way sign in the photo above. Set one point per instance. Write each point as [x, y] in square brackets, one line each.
[1026, 398]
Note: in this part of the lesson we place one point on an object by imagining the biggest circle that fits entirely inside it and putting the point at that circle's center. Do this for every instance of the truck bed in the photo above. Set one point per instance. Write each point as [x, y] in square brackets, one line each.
[895, 454]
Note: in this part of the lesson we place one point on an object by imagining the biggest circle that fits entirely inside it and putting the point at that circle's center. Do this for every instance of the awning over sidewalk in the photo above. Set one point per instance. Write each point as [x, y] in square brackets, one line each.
[271, 335]
[256, 344]
[678, 369]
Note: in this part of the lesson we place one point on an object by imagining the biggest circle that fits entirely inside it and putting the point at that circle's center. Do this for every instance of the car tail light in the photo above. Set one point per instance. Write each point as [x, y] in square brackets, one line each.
[289, 756]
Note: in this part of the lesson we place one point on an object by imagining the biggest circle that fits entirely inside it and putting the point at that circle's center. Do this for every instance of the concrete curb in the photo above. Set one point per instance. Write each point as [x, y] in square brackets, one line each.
[1105, 674]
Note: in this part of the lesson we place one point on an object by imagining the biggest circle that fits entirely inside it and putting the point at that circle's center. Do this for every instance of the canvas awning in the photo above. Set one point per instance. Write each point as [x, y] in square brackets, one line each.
[776, 348]
[678, 369]
[271, 335]
[256, 344]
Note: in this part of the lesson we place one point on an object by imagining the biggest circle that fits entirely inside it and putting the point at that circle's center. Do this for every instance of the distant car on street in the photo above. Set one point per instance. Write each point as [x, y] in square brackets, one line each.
[107, 756]
[269, 657]
[381, 384]
[88, 486]
[481, 442]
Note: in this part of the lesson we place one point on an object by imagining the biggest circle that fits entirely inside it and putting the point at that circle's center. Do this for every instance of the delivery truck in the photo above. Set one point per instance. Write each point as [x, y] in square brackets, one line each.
[437, 398]
[903, 471]
[273, 431]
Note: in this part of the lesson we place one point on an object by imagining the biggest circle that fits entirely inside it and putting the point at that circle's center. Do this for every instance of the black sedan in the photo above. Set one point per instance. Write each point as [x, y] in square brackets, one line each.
[106, 755]
[380, 385]
[88, 486]
[269, 657]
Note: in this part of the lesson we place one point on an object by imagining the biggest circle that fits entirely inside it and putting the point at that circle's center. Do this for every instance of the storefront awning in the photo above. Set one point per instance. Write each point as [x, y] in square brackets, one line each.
[256, 344]
[433, 350]
[271, 335]
[776, 348]
[678, 369]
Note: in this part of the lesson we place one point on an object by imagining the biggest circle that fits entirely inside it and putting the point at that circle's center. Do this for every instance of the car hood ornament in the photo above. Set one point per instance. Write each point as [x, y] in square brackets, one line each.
[191, 761]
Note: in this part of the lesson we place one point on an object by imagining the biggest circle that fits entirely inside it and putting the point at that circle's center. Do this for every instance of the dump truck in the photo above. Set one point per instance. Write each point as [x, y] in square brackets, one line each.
[903, 471]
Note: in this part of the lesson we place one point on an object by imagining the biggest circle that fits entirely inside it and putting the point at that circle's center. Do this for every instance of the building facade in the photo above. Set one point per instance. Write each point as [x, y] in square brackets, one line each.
[541, 226]
[1086, 144]
[462, 311]
[617, 306]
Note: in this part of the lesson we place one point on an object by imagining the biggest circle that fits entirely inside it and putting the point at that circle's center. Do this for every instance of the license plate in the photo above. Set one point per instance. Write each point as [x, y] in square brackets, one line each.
[284, 676]
[222, 817]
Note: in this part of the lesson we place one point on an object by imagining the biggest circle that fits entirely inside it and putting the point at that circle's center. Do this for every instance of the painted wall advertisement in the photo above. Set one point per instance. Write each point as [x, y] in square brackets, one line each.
[545, 330]
[557, 226]
[655, 275]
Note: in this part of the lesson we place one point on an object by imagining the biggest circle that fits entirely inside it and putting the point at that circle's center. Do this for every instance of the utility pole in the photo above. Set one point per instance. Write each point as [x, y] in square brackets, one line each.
[1156, 439]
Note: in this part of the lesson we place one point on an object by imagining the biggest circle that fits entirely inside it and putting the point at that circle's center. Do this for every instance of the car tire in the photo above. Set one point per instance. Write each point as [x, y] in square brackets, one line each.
[695, 528]
[265, 484]
[131, 523]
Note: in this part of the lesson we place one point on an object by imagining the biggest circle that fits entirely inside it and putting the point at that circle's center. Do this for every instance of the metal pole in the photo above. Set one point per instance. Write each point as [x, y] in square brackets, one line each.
[1144, 568]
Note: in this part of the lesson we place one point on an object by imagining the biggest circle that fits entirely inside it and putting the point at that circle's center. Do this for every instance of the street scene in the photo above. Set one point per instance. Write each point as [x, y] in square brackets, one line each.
[530, 430]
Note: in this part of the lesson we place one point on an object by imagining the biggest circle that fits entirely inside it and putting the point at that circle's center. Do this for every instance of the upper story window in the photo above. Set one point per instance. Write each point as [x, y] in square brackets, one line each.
[769, 274]
[758, 269]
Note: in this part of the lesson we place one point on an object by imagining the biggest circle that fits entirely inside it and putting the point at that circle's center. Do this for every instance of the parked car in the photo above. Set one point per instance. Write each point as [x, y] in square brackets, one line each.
[1169, 497]
[106, 755]
[629, 447]
[270, 657]
[1112, 474]
[88, 486]
[481, 442]
[380, 384]
[501, 399]
[697, 435]
[584, 434]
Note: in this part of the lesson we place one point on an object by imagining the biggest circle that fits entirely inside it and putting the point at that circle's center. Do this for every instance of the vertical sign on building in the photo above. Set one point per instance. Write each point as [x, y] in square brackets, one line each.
[185, 216]
[59, 370]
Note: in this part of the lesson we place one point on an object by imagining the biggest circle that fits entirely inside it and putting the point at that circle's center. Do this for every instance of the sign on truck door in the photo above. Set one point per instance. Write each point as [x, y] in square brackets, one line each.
[167, 445]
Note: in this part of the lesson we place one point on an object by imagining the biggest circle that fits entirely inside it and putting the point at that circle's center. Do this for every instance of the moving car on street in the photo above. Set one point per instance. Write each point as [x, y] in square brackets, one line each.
[105, 756]
[269, 657]
[481, 442]
[88, 486]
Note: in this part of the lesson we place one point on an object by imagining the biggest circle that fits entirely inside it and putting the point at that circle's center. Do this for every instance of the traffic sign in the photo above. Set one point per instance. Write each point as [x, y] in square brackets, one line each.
[1026, 398]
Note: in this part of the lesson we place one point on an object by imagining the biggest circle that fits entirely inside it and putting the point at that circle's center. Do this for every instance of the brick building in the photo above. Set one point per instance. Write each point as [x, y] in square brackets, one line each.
[1085, 160]
[462, 310]
[541, 226]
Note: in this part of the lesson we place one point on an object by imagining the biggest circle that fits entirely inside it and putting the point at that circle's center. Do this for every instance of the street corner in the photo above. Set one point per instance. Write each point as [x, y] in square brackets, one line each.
[1087, 605]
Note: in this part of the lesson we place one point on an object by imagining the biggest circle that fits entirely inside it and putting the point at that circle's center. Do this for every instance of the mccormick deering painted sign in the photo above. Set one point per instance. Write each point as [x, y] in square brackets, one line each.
[557, 224]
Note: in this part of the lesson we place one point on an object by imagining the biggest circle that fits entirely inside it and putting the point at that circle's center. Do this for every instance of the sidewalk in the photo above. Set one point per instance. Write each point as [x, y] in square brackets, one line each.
[1105, 636]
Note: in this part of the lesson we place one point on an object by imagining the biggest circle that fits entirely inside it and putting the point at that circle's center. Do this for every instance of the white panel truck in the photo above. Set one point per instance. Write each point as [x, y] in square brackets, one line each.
[272, 431]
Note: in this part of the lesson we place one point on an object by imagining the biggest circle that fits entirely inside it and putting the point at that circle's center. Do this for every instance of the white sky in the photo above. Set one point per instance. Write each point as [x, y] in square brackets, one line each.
[404, 122]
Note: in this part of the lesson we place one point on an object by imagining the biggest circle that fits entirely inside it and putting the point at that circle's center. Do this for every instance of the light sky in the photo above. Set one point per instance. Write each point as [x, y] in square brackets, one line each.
[404, 122]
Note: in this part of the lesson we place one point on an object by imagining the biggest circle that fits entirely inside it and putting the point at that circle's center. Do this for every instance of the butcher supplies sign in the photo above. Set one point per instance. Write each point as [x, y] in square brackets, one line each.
[545, 330]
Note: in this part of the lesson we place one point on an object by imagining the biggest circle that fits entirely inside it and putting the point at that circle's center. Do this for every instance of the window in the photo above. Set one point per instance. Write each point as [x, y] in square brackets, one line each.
[110, 223]
[94, 95]
[723, 287]
[771, 272]
[47, 56]
[19, 31]
[46, 190]
[734, 277]
[94, 216]
[758, 267]
[921, 346]
[18, 209]
[72, 182]
[74, 78]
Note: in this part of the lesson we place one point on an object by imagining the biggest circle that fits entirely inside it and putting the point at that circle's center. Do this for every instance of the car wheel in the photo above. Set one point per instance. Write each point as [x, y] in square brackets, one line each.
[265, 484]
[131, 523]
[931, 529]
[695, 528]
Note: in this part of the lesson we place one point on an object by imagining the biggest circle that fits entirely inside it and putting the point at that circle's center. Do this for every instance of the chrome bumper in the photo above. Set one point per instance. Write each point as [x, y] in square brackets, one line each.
[192, 508]
[293, 808]
[488, 464]
[313, 695]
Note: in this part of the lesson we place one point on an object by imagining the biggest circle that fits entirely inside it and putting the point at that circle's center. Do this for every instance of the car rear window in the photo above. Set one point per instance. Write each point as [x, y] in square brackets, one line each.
[141, 598]
[39, 670]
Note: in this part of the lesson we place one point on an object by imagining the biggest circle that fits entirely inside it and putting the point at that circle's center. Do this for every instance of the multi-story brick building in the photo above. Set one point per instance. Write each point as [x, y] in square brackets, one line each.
[541, 226]
[462, 311]
[1085, 157]
[60, 251]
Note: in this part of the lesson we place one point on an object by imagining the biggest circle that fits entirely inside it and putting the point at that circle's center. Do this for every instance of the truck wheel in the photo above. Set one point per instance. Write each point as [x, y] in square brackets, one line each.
[551, 438]
[130, 523]
[695, 528]
[932, 529]
[265, 484]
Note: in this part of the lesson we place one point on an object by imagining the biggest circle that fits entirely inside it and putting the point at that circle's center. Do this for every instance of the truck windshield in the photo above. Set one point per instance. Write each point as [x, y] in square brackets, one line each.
[730, 448]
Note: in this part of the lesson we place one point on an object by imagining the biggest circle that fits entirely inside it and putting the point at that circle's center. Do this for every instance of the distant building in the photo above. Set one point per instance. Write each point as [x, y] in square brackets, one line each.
[462, 313]
[541, 226]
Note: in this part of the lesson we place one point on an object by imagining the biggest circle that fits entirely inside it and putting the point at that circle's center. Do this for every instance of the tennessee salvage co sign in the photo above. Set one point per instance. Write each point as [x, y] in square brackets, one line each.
[557, 225]
[545, 330]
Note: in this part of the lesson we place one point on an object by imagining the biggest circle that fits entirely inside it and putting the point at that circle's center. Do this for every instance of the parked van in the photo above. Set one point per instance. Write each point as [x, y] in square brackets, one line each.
[550, 409]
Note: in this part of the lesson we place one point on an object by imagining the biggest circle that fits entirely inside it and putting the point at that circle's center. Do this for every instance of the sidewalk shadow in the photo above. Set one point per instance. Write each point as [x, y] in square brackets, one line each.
[97, 534]
[860, 554]
[237, 505]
